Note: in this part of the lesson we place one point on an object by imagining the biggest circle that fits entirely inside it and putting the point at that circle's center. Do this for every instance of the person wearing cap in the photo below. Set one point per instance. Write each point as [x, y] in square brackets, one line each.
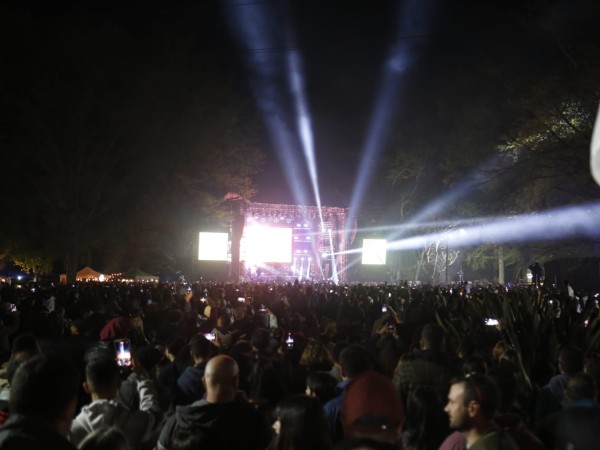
[472, 403]
[372, 413]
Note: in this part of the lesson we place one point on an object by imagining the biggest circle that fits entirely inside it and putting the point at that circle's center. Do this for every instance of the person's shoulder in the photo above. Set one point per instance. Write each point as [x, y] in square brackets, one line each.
[495, 438]
[455, 441]
[100, 408]
[334, 403]
[20, 433]
[241, 408]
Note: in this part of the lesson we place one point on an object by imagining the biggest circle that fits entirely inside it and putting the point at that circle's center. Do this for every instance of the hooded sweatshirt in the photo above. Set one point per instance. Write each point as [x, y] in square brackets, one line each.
[137, 426]
[190, 383]
[234, 425]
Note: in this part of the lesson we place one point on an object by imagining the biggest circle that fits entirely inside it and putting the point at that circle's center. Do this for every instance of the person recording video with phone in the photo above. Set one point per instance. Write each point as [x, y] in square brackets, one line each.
[102, 381]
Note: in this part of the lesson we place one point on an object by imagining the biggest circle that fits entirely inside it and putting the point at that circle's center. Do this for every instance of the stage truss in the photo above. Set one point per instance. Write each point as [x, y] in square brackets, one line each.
[318, 248]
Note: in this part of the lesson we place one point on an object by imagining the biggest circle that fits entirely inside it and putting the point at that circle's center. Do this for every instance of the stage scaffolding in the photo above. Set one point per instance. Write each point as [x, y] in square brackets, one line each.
[319, 248]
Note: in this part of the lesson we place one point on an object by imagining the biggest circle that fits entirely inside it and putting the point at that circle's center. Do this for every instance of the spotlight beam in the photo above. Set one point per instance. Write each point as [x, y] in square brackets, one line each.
[475, 178]
[558, 224]
[256, 25]
[414, 18]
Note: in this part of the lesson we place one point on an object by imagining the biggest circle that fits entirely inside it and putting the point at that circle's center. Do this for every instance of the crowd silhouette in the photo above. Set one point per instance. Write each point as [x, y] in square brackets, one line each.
[293, 366]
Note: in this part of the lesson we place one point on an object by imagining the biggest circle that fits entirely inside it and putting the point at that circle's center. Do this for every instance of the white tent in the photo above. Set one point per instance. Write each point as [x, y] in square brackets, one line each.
[87, 273]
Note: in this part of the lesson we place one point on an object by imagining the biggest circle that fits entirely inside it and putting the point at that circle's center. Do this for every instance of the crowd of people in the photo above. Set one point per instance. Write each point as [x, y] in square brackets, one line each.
[294, 366]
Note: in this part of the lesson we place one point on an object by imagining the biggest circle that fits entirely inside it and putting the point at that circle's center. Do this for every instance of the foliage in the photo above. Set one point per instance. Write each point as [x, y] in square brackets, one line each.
[529, 320]
[34, 264]
[486, 256]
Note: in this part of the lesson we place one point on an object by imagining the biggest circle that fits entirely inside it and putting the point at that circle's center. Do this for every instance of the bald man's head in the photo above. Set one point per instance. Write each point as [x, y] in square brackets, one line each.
[221, 378]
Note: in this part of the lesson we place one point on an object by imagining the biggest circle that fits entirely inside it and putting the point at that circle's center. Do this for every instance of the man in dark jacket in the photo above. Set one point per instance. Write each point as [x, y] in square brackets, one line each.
[189, 385]
[42, 404]
[220, 418]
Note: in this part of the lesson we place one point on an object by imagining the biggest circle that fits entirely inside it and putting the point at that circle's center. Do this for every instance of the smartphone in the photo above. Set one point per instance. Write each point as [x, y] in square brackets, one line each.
[491, 322]
[384, 309]
[123, 352]
[13, 307]
[210, 336]
[389, 295]
[241, 299]
[289, 342]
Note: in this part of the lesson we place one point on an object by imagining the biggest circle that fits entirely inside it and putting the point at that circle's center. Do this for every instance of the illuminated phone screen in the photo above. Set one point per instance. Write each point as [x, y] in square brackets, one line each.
[123, 352]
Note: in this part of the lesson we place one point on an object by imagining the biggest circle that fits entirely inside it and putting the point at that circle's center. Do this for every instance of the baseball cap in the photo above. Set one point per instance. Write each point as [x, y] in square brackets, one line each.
[371, 404]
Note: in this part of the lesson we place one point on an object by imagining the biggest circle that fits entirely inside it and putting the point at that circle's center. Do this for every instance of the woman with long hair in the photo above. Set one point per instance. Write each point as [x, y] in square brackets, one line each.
[301, 425]
[426, 424]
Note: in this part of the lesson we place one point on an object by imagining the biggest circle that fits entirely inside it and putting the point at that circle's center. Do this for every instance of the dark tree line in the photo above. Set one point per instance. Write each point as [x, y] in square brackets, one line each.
[119, 138]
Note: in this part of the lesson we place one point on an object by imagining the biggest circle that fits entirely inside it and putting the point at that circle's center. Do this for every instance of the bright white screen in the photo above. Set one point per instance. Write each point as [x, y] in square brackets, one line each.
[212, 246]
[374, 251]
[266, 244]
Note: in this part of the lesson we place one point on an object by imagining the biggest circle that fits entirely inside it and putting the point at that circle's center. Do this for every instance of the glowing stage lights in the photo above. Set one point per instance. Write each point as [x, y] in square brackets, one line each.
[374, 251]
[212, 246]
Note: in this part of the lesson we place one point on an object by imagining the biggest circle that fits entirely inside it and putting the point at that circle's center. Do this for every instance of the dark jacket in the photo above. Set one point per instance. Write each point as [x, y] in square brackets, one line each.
[21, 433]
[235, 425]
[189, 385]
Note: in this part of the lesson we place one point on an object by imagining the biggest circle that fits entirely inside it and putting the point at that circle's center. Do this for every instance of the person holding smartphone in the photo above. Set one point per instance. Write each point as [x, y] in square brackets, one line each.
[102, 380]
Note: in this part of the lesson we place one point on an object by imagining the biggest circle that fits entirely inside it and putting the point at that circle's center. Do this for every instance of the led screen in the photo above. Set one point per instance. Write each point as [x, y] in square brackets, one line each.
[262, 244]
[374, 251]
[212, 246]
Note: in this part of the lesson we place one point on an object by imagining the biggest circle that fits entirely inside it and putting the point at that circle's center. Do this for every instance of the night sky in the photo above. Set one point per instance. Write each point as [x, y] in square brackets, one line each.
[344, 47]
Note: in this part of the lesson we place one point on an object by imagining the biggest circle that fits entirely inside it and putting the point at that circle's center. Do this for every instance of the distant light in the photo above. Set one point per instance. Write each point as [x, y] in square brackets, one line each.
[374, 251]
[101, 277]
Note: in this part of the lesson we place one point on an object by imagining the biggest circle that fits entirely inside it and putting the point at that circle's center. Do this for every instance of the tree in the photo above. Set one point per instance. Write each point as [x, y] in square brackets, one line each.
[119, 143]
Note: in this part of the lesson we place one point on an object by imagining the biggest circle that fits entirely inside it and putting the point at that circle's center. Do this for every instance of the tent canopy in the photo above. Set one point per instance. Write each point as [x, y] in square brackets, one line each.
[87, 273]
